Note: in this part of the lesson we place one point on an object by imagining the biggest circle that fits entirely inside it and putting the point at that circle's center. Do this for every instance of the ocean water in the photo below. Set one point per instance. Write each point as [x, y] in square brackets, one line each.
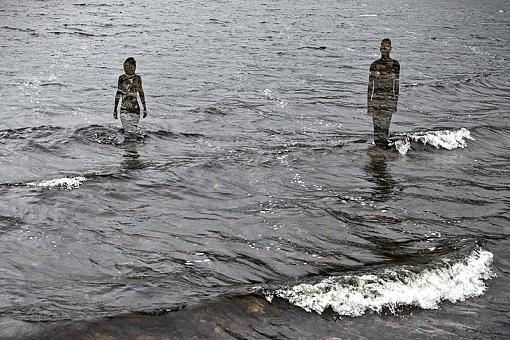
[253, 204]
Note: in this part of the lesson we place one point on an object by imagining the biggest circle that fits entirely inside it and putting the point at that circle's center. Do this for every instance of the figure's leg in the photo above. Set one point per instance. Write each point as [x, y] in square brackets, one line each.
[381, 120]
[129, 121]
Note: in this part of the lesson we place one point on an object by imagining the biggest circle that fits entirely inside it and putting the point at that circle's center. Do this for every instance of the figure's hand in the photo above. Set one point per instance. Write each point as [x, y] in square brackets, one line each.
[115, 114]
[144, 112]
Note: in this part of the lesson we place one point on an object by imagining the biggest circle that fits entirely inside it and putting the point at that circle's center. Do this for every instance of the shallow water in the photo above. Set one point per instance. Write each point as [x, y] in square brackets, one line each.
[254, 173]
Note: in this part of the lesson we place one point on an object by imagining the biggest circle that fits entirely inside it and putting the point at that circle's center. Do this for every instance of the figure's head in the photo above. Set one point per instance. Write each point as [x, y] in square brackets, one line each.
[385, 47]
[130, 66]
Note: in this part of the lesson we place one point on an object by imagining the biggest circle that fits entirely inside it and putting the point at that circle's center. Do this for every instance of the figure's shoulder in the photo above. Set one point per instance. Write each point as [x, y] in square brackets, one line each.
[122, 77]
[396, 66]
[375, 64]
[138, 80]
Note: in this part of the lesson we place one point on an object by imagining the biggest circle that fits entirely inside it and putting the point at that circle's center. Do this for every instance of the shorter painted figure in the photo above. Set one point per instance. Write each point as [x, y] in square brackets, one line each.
[383, 91]
[129, 86]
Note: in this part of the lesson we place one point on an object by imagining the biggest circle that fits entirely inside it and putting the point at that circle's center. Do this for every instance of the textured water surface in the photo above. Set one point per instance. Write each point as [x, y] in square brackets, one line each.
[254, 177]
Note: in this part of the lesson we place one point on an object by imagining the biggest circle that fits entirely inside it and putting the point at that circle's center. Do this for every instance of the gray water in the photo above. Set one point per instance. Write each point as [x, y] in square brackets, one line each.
[254, 171]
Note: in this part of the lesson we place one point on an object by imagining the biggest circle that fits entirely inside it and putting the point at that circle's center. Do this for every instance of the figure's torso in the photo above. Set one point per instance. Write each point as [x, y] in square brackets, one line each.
[384, 74]
[129, 87]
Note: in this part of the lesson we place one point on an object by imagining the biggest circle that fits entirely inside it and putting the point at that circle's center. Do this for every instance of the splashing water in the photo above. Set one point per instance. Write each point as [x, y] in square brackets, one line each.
[445, 139]
[353, 295]
[65, 183]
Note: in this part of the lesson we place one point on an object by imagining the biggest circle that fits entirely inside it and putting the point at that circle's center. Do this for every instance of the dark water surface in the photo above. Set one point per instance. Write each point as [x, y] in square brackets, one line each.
[254, 178]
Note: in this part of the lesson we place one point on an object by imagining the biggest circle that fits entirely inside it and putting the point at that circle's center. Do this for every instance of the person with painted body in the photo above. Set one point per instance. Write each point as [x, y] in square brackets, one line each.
[128, 89]
[383, 92]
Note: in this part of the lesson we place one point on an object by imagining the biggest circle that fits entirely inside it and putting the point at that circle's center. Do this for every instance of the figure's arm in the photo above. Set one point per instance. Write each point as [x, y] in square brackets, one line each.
[142, 97]
[396, 85]
[370, 92]
[118, 95]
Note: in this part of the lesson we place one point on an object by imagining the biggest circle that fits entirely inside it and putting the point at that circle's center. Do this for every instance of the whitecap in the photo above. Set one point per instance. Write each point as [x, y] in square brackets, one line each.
[354, 295]
[446, 139]
[402, 146]
[68, 183]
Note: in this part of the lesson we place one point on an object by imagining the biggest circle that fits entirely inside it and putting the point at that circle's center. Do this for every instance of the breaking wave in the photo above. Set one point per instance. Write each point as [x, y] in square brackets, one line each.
[68, 183]
[446, 139]
[353, 295]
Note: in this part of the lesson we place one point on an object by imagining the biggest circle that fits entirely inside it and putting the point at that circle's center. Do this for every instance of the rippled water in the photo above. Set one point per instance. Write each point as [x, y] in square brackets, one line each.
[254, 178]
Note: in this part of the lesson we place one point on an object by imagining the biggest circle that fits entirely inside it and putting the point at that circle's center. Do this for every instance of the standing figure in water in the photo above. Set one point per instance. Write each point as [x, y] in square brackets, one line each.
[383, 91]
[129, 86]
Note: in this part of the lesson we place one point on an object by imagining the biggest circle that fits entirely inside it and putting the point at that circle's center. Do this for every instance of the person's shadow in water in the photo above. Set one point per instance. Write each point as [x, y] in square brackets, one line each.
[377, 168]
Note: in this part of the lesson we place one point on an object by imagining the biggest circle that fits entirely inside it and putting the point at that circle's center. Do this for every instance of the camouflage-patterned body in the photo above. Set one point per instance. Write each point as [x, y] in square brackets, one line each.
[382, 97]
[129, 86]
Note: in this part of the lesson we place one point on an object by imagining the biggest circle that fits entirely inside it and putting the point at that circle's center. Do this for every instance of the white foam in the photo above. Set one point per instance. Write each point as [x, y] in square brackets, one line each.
[402, 146]
[353, 295]
[446, 139]
[66, 183]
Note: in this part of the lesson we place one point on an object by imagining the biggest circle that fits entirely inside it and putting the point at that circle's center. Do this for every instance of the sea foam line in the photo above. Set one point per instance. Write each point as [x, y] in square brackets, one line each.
[446, 139]
[68, 183]
[353, 295]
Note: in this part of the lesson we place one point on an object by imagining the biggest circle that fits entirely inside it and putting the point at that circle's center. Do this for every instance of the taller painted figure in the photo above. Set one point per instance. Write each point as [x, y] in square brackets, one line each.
[383, 91]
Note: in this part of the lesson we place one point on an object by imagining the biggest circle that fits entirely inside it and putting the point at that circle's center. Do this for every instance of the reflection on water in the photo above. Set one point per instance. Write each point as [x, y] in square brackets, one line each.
[131, 157]
[377, 168]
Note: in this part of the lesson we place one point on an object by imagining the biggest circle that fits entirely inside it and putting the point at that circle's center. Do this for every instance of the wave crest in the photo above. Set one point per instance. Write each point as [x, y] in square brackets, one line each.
[65, 183]
[353, 295]
[446, 139]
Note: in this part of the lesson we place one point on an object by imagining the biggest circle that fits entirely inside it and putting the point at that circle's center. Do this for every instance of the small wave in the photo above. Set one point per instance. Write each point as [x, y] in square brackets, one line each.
[46, 133]
[445, 139]
[166, 134]
[18, 29]
[214, 111]
[353, 295]
[52, 84]
[98, 134]
[85, 34]
[68, 183]
[312, 47]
